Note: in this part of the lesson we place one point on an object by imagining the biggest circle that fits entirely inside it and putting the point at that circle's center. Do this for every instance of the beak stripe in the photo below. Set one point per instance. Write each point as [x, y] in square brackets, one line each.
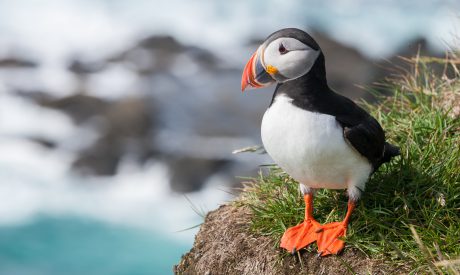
[248, 74]
[254, 73]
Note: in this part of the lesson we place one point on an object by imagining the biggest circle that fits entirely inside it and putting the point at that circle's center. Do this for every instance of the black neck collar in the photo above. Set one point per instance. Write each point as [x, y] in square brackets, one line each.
[309, 89]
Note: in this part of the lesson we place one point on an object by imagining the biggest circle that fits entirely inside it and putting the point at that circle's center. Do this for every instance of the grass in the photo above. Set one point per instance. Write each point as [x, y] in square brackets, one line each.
[410, 211]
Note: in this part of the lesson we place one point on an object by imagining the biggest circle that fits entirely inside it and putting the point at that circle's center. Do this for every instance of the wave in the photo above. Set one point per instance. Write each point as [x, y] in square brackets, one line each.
[37, 181]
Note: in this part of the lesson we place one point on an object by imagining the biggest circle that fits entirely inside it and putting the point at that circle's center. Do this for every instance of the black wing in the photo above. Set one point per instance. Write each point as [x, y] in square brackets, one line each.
[361, 130]
[367, 138]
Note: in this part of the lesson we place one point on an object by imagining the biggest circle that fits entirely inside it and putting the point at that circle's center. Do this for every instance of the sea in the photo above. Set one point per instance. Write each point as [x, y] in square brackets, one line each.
[53, 221]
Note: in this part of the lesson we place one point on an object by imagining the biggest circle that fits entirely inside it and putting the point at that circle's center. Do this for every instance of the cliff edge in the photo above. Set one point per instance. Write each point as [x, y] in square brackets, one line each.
[225, 245]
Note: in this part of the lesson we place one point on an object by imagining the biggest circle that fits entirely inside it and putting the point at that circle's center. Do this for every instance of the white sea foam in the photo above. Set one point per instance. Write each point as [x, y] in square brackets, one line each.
[114, 82]
[19, 117]
[36, 181]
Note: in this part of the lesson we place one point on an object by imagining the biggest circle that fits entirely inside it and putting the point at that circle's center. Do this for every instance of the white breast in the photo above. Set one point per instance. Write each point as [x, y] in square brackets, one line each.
[311, 148]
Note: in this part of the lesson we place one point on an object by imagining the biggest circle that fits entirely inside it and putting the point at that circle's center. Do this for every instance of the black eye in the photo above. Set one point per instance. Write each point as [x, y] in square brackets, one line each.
[282, 49]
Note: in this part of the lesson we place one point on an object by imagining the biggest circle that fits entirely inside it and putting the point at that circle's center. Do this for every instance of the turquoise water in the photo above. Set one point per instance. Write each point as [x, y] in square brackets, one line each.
[72, 245]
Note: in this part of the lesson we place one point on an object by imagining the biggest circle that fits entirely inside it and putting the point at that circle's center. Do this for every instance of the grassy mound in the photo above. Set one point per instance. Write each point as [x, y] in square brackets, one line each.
[410, 211]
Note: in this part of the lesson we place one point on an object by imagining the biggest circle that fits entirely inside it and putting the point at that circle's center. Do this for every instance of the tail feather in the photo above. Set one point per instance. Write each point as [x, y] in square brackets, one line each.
[390, 151]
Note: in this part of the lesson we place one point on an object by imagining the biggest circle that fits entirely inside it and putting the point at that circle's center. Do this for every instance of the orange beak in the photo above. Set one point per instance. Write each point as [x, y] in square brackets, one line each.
[254, 74]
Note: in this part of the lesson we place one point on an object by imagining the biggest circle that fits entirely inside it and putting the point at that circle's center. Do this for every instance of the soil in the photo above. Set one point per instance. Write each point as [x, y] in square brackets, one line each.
[226, 245]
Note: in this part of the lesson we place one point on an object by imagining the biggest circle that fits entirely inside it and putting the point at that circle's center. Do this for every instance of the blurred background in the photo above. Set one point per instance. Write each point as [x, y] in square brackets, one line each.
[118, 118]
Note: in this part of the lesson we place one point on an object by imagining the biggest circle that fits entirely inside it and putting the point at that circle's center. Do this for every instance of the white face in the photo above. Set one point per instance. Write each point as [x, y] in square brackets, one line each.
[290, 57]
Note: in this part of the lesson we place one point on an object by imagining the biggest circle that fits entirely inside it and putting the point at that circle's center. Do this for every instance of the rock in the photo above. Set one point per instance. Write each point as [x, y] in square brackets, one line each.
[126, 127]
[413, 46]
[162, 42]
[205, 58]
[130, 118]
[397, 63]
[78, 66]
[129, 126]
[152, 55]
[159, 54]
[16, 62]
[226, 245]
[79, 107]
[189, 174]
[44, 142]
[35, 95]
[346, 68]
[100, 159]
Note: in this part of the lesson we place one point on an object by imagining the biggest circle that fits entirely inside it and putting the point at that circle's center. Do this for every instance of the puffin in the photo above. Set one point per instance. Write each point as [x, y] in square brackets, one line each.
[317, 136]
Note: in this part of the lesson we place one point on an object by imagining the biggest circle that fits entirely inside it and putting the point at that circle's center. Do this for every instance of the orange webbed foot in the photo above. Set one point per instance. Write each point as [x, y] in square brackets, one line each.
[300, 236]
[329, 241]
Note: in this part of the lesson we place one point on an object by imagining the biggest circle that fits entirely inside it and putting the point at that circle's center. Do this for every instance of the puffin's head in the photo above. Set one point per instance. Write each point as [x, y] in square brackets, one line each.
[285, 55]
